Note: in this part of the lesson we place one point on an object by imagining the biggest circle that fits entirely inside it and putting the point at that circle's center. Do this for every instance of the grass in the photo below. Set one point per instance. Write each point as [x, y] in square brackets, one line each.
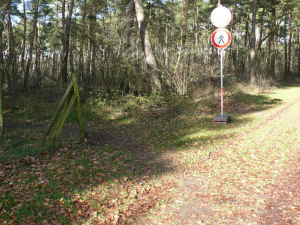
[78, 183]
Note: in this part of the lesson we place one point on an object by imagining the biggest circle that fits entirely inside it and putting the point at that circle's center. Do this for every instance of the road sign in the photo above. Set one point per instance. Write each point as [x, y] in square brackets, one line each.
[220, 16]
[221, 38]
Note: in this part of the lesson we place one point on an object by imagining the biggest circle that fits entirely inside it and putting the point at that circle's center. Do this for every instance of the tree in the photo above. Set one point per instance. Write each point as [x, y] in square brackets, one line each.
[31, 45]
[146, 45]
[65, 44]
[253, 39]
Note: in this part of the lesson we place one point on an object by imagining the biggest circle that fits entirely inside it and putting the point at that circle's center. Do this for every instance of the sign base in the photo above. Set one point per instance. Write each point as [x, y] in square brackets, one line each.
[225, 119]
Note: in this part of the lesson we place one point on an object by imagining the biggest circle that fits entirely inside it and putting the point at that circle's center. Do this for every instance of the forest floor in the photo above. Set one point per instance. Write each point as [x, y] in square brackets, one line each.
[168, 167]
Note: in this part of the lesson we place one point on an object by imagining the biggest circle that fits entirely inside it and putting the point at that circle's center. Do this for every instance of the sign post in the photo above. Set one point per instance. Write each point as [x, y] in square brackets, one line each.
[221, 38]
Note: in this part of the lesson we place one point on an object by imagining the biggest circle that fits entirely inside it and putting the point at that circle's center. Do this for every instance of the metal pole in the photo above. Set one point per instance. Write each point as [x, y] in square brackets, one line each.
[222, 82]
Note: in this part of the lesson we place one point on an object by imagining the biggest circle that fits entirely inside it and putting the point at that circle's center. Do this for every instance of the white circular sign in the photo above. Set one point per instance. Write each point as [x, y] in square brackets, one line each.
[220, 16]
[221, 38]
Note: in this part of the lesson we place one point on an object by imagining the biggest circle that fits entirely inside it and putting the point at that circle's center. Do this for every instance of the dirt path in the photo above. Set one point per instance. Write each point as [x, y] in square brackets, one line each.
[96, 138]
[248, 194]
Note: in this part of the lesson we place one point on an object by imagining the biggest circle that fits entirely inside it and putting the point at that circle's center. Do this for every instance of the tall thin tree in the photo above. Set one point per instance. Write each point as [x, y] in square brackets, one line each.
[253, 40]
[64, 69]
[31, 45]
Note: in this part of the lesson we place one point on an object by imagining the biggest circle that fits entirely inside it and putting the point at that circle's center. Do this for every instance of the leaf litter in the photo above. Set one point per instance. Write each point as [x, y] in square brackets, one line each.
[250, 178]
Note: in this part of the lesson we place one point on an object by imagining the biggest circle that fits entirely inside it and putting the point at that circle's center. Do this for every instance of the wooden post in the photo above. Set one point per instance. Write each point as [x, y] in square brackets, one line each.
[60, 119]
[1, 118]
[64, 109]
[61, 104]
[64, 117]
[79, 113]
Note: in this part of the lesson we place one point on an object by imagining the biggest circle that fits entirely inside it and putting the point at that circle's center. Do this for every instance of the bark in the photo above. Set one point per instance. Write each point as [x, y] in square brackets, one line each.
[298, 41]
[261, 31]
[11, 52]
[64, 68]
[146, 45]
[276, 41]
[31, 45]
[38, 56]
[290, 46]
[292, 55]
[125, 80]
[1, 117]
[81, 60]
[1, 44]
[24, 38]
[130, 24]
[54, 69]
[285, 49]
[247, 25]
[1, 52]
[71, 57]
[166, 42]
[182, 73]
[272, 39]
[89, 42]
[63, 72]
[233, 47]
[93, 43]
[252, 51]
[150, 14]
[197, 28]
[94, 48]
[75, 41]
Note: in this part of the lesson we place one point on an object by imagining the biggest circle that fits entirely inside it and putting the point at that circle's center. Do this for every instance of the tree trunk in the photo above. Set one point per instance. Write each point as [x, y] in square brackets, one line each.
[166, 42]
[24, 38]
[1, 117]
[71, 53]
[290, 46]
[1, 44]
[146, 45]
[252, 52]
[31, 45]
[1, 52]
[298, 42]
[247, 25]
[92, 42]
[64, 69]
[38, 56]
[75, 43]
[11, 52]
[261, 32]
[182, 73]
[54, 67]
[233, 46]
[197, 28]
[285, 49]
[81, 60]
[131, 15]
[276, 42]
[272, 39]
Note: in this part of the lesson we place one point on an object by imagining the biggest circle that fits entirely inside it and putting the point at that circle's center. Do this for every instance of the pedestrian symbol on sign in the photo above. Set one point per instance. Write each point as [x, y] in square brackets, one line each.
[221, 39]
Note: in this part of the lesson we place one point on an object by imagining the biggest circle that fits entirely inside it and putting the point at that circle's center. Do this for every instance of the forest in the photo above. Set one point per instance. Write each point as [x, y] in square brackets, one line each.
[107, 112]
[143, 47]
